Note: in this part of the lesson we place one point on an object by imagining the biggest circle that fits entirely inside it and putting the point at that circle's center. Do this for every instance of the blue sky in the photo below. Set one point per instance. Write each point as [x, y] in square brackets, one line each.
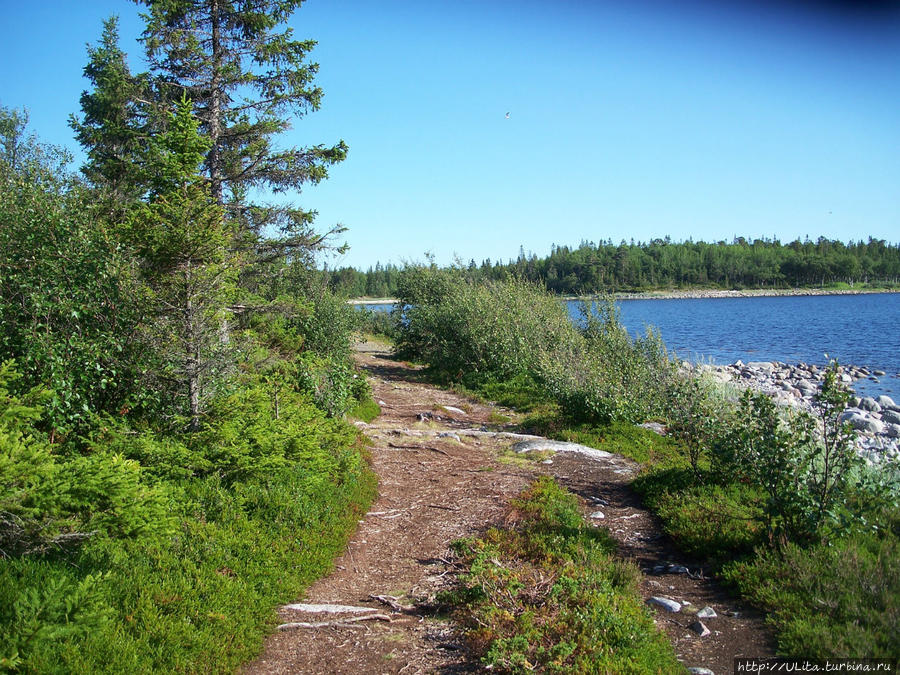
[627, 120]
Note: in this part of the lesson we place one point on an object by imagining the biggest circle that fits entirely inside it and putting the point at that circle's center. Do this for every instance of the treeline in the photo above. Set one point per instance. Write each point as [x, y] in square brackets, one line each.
[663, 264]
[175, 460]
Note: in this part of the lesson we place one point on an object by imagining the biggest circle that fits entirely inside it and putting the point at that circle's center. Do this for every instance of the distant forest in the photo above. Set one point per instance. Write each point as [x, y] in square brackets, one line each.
[664, 264]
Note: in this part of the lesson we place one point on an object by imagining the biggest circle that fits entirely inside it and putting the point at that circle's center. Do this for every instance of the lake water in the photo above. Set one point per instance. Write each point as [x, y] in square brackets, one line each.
[862, 330]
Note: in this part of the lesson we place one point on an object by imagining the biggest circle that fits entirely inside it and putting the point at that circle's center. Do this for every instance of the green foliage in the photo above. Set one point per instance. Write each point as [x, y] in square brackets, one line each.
[549, 595]
[832, 600]
[806, 467]
[69, 304]
[502, 329]
[510, 336]
[257, 508]
[663, 264]
[52, 502]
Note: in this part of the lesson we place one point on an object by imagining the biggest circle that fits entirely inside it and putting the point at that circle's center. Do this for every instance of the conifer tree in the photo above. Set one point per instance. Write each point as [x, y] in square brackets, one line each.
[114, 127]
[249, 78]
[183, 239]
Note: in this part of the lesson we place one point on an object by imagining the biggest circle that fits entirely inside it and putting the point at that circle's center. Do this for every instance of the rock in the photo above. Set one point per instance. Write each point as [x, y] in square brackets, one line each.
[885, 401]
[879, 373]
[707, 613]
[666, 603]
[450, 434]
[869, 403]
[700, 671]
[598, 515]
[547, 461]
[655, 427]
[890, 416]
[767, 366]
[700, 628]
[560, 446]
[677, 569]
[867, 424]
[892, 430]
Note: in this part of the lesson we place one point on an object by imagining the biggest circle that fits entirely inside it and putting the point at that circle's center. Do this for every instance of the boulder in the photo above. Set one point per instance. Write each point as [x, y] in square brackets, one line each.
[890, 416]
[867, 424]
[707, 613]
[885, 402]
[870, 404]
[700, 628]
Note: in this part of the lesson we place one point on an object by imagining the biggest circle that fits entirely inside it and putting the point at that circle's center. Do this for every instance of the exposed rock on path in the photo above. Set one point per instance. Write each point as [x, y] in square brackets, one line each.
[442, 477]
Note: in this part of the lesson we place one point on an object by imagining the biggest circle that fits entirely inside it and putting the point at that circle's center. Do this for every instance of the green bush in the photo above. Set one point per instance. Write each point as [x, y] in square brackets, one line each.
[548, 595]
[837, 600]
[53, 502]
[460, 328]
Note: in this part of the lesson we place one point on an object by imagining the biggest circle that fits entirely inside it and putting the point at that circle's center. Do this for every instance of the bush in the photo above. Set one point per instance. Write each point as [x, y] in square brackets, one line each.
[460, 328]
[548, 595]
[51, 502]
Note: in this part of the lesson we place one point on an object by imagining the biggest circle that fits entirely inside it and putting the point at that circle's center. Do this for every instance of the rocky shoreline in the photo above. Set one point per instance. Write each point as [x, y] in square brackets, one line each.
[875, 419]
[750, 293]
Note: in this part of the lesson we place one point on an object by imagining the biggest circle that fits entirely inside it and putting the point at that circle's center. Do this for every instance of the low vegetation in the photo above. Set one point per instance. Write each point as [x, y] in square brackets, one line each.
[771, 500]
[546, 593]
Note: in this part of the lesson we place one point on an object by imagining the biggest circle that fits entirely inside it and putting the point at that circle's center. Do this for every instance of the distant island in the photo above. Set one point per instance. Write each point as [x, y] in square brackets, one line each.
[673, 269]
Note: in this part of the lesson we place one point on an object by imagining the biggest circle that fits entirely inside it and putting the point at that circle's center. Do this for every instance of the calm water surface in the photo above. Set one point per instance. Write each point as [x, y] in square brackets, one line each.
[863, 330]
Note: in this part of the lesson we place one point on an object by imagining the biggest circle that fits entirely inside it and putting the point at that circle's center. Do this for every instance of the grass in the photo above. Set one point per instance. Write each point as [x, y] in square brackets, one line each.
[366, 410]
[547, 594]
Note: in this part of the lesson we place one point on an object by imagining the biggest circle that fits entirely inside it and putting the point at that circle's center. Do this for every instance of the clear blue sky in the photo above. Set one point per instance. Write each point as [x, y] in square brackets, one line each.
[627, 120]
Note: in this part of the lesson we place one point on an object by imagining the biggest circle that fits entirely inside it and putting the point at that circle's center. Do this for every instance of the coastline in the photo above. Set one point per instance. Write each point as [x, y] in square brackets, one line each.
[748, 293]
[691, 294]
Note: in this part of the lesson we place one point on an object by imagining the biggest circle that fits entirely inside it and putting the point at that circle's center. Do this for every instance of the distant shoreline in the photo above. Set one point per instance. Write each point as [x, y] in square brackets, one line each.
[691, 294]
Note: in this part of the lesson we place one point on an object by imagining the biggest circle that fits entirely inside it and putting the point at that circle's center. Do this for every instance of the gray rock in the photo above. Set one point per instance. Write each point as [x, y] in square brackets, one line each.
[892, 430]
[598, 515]
[880, 373]
[677, 569]
[666, 603]
[700, 628]
[867, 424]
[699, 670]
[890, 416]
[451, 409]
[869, 403]
[767, 366]
[560, 446]
[885, 401]
[450, 434]
[707, 613]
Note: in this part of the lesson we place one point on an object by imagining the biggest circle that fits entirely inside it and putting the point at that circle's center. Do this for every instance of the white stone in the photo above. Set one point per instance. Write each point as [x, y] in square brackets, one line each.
[666, 603]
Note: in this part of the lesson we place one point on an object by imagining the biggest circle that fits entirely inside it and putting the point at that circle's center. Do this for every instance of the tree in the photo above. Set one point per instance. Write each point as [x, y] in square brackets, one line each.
[182, 239]
[248, 77]
[116, 121]
[68, 309]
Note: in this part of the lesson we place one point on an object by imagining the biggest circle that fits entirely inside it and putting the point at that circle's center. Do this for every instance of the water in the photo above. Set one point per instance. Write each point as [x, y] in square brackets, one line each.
[862, 330]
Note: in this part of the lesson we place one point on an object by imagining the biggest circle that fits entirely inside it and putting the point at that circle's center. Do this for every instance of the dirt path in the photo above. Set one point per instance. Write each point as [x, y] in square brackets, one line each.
[436, 487]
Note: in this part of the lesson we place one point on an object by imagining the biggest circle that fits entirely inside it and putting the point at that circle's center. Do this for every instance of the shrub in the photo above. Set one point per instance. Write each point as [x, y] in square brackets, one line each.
[548, 594]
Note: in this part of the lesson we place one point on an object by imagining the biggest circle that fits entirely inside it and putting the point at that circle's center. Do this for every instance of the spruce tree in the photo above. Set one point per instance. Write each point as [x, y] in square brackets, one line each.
[115, 124]
[249, 78]
[183, 240]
